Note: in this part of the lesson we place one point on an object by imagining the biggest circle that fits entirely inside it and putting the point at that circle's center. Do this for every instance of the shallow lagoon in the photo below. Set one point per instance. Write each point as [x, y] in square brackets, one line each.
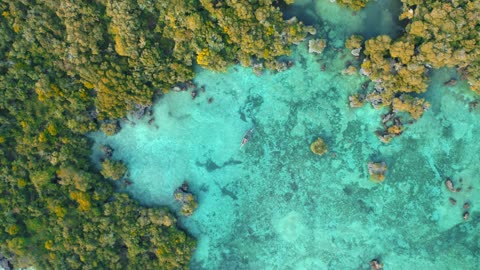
[274, 205]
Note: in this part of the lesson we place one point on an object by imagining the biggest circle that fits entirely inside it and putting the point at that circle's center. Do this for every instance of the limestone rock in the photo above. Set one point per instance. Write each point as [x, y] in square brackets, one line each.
[356, 52]
[356, 101]
[350, 70]
[316, 45]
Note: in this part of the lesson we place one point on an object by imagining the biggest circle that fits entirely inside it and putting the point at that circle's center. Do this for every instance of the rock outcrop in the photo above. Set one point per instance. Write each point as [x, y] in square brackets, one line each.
[377, 171]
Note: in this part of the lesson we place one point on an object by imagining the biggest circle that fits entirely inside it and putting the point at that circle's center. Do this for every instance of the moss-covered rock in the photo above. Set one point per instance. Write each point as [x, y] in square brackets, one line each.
[319, 147]
[187, 200]
[377, 171]
[356, 101]
[350, 70]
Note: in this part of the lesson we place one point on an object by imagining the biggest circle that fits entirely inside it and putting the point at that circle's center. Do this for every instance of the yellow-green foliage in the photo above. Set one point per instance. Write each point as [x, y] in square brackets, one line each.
[240, 30]
[354, 42]
[378, 48]
[414, 106]
[83, 200]
[12, 229]
[402, 50]
[187, 200]
[353, 4]
[110, 128]
[319, 147]
[113, 169]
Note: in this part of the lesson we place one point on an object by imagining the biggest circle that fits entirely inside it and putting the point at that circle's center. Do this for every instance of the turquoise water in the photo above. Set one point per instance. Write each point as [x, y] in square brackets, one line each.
[275, 205]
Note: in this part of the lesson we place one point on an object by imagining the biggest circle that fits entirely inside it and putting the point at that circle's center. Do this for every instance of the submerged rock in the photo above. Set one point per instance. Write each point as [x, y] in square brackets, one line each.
[388, 116]
[450, 82]
[281, 66]
[356, 52]
[472, 105]
[385, 137]
[316, 45]
[350, 70]
[107, 150]
[377, 171]
[452, 201]
[311, 30]
[258, 69]
[449, 185]
[376, 265]
[319, 147]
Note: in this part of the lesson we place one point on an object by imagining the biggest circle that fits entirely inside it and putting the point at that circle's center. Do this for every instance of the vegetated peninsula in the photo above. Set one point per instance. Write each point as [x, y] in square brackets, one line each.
[71, 67]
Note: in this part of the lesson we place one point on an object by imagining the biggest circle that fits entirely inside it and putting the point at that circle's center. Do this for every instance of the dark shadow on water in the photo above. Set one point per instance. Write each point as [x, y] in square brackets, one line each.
[381, 17]
[305, 13]
[376, 15]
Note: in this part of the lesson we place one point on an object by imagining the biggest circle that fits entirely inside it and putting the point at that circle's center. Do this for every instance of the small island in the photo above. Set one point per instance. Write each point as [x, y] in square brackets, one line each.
[319, 147]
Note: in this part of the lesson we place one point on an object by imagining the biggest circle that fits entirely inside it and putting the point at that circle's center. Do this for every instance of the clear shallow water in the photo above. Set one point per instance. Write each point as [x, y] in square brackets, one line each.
[275, 205]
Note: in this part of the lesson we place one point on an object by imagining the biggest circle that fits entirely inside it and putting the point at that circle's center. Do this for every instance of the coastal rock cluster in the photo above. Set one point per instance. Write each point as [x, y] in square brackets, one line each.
[5, 263]
[316, 45]
[186, 199]
[438, 34]
[377, 171]
[465, 207]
